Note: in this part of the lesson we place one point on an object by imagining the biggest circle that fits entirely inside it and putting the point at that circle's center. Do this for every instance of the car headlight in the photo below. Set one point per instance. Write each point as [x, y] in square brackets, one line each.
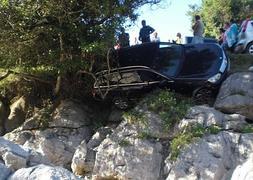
[215, 78]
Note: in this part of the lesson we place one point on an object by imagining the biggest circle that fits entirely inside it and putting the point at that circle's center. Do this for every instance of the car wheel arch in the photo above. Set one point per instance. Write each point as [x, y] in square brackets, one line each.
[249, 46]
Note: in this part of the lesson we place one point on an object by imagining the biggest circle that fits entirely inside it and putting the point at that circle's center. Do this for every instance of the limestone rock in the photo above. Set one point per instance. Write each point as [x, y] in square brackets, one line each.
[125, 155]
[236, 95]
[84, 158]
[13, 161]
[43, 172]
[4, 171]
[17, 114]
[244, 171]
[71, 114]
[212, 157]
[208, 116]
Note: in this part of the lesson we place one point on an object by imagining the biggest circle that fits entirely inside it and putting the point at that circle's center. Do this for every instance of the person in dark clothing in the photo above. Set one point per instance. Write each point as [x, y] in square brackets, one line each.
[145, 31]
[123, 38]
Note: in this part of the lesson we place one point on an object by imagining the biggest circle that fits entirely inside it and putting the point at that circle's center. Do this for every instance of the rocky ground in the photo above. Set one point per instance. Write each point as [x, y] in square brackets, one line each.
[67, 147]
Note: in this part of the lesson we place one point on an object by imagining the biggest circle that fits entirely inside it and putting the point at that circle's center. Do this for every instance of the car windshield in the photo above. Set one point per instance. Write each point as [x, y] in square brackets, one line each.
[168, 59]
[204, 59]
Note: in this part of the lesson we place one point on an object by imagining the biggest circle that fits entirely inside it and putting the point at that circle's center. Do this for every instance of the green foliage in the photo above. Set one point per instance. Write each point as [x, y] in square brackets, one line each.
[170, 106]
[215, 13]
[61, 37]
[44, 115]
[134, 116]
[144, 135]
[189, 135]
[240, 62]
[247, 129]
[124, 143]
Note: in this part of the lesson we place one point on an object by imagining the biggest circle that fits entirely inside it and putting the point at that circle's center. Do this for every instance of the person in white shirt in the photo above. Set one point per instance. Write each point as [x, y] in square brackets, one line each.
[155, 37]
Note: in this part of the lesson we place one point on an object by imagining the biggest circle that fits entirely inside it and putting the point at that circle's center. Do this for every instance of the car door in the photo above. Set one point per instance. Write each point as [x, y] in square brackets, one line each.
[153, 79]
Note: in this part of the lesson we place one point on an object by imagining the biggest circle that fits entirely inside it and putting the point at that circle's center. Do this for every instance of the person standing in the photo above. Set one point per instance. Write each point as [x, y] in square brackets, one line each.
[145, 31]
[123, 38]
[155, 37]
[198, 30]
[179, 38]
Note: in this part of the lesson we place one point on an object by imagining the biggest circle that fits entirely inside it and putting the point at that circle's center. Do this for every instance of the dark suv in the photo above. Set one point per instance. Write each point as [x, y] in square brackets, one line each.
[195, 68]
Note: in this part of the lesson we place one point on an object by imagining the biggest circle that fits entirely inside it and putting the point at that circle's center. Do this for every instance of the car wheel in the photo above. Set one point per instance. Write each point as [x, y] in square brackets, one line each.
[203, 96]
[250, 48]
[121, 103]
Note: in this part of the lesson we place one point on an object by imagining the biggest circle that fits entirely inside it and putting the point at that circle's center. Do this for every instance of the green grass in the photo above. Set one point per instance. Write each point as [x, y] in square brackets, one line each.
[124, 143]
[170, 106]
[247, 129]
[189, 135]
[240, 62]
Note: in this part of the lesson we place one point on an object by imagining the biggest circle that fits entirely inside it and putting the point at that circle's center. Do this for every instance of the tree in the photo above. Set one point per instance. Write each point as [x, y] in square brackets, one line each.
[215, 13]
[61, 34]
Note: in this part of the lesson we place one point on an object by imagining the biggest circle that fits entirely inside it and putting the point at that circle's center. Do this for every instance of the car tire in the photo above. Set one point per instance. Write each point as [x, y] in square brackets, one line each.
[121, 103]
[203, 95]
[249, 48]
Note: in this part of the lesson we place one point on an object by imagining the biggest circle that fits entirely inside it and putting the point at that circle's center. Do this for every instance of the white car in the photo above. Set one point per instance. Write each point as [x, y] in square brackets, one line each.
[245, 40]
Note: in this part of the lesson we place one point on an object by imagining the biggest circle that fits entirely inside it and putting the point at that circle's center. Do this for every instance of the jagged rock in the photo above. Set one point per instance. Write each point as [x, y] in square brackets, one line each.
[71, 114]
[244, 171]
[17, 114]
[14, 161]
[202, 115]
[84, 158]
[58, 144]
[4, 171]
[125, 155]
[8, 146]
[208, 116]
[59, 141]
[79, 166]
[212, 157]
[43, 172]
[19, 137]
[236, 95]
[16, 156]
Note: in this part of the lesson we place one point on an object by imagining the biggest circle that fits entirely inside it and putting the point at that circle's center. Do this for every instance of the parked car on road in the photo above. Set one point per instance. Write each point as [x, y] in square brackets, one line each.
[245, 39]
[198, 69]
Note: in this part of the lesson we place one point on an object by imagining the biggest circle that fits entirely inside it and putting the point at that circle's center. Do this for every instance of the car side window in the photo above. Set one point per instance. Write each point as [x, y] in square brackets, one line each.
[115, 78]
[149, 76]
[168, 60]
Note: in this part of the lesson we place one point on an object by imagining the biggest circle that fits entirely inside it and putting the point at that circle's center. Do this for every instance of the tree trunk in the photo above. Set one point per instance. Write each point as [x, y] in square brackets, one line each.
[62, 58]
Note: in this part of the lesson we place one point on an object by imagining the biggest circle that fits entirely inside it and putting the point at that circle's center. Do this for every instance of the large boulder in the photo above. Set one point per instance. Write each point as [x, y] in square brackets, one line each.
[131, 152]
[244, 171]
[4, 171]
[58, 141]
[16, 156]
[212, 157]
[71, 114]
[43, 172]
[17, 114]
[207, 117]
[236, 95]
[84, 158]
